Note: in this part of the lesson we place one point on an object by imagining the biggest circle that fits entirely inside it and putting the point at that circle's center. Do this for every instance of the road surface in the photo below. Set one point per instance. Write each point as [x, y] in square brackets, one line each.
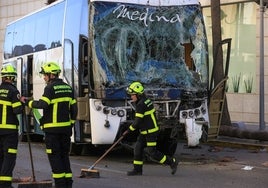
[203, 167]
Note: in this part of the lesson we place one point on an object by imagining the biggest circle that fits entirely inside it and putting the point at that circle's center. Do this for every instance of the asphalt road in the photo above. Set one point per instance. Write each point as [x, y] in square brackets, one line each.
[203, 167]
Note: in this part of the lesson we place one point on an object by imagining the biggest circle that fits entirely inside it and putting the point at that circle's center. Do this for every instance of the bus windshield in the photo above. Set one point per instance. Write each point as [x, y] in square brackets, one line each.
[160, 46]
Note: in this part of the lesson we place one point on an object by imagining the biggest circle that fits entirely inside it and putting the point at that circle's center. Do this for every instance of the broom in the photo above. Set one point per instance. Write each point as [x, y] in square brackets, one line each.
[33, 183]
[93, 173]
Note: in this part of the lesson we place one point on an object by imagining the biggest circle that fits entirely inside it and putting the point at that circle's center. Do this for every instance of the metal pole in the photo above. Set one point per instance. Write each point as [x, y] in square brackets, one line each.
[262, 121]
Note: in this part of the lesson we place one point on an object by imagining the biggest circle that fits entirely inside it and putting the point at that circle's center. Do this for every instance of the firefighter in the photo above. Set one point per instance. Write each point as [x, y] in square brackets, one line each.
[59, 113]
[145, 122]
[10, 107]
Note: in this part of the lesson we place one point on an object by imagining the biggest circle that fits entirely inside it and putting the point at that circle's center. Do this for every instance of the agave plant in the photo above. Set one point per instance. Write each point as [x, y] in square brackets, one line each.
[248, 84]
[236, 82]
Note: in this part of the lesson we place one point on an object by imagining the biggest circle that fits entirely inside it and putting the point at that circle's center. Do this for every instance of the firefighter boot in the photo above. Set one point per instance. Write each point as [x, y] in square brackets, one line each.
[137, 171]
[173, 165]
[69, 183]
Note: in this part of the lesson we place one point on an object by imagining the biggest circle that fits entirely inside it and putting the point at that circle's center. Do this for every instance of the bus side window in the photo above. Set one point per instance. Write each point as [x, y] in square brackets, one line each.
[17, 51]
[26, 49]
[39, 47]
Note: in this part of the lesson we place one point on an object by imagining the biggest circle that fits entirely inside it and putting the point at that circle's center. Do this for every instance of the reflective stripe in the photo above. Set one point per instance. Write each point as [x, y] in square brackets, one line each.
[16, 104]
[62, 99]
[46, 100]
[139, 115]
[60, 124]
[73, 101]
[48, 151]
[163, 159]
[131, 128]
[145, 114]
[5, 178]
[55, 122]
[11, 150]
[150, 130]
[4, 115]
[68, 175]
[61, 175]
[5, 126]
[151, 143]
[30, 104]
[156, 128]
[8, 103]
[138, 162]
[149, 112]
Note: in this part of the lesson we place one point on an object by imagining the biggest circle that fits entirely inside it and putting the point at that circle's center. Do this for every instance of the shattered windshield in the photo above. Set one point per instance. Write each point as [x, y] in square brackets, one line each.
[159, 46]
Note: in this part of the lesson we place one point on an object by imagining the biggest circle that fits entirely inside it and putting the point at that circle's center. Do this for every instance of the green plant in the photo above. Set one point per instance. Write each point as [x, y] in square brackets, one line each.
[236, 82]
[248, 84]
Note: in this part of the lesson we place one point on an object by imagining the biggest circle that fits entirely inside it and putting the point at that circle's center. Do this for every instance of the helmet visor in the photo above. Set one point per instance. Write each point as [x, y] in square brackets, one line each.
[130, 91]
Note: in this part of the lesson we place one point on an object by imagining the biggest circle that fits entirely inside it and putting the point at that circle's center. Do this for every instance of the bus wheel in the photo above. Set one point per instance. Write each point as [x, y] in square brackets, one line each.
[76, 149]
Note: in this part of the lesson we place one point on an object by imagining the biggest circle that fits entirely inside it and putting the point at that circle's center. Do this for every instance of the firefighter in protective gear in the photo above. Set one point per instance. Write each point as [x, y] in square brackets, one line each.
[145, 122]
[10, 107]
[59, 113]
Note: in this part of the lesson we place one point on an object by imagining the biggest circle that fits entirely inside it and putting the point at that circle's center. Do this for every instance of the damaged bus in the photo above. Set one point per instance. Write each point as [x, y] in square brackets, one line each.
[103, 46]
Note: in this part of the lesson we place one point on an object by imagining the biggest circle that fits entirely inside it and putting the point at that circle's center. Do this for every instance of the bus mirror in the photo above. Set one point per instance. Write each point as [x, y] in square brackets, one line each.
[83, 108]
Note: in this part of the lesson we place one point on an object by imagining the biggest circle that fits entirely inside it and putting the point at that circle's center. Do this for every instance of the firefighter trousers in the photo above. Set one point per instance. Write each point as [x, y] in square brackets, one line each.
[57, 149]
[148, 143]
[8, 155]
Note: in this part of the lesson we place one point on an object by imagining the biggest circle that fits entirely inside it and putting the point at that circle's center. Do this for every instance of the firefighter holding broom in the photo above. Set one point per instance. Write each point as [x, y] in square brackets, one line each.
[10, 107]
[145, 122]
[59, 113]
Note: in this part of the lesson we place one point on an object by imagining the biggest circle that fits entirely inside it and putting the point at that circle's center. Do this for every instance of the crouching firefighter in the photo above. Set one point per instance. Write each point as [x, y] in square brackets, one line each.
[10, 107]
[59, 113]
[145, 122]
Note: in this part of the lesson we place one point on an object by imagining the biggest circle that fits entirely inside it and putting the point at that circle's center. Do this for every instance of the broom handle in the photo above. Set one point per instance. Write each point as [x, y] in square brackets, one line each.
[29, 143]
[107, 152]
[31, 155]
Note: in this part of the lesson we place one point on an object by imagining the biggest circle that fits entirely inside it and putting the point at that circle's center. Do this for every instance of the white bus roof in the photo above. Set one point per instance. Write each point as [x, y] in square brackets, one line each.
[154, 2]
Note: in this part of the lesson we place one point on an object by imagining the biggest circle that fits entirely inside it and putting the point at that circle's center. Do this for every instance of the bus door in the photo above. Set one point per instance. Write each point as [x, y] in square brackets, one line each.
[84, 74]
[83, 115]
[27, 77]
[25, 86]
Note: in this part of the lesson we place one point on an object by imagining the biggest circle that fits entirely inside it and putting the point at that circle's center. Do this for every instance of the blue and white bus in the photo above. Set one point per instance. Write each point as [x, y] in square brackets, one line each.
[103, 46]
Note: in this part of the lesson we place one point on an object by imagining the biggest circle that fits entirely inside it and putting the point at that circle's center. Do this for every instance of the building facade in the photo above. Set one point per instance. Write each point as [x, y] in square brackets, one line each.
[240, 21]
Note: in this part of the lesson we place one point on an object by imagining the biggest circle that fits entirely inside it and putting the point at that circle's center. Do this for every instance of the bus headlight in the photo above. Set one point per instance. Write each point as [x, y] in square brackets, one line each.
[121, 113]
[184, 114]
[113, 111]
[106, 110]
[196, 112]
[203, 110]
[98, 108]
[191, 114]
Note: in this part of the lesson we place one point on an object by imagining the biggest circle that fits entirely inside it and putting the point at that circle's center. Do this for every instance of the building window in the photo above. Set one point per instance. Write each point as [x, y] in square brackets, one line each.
[239, 23]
